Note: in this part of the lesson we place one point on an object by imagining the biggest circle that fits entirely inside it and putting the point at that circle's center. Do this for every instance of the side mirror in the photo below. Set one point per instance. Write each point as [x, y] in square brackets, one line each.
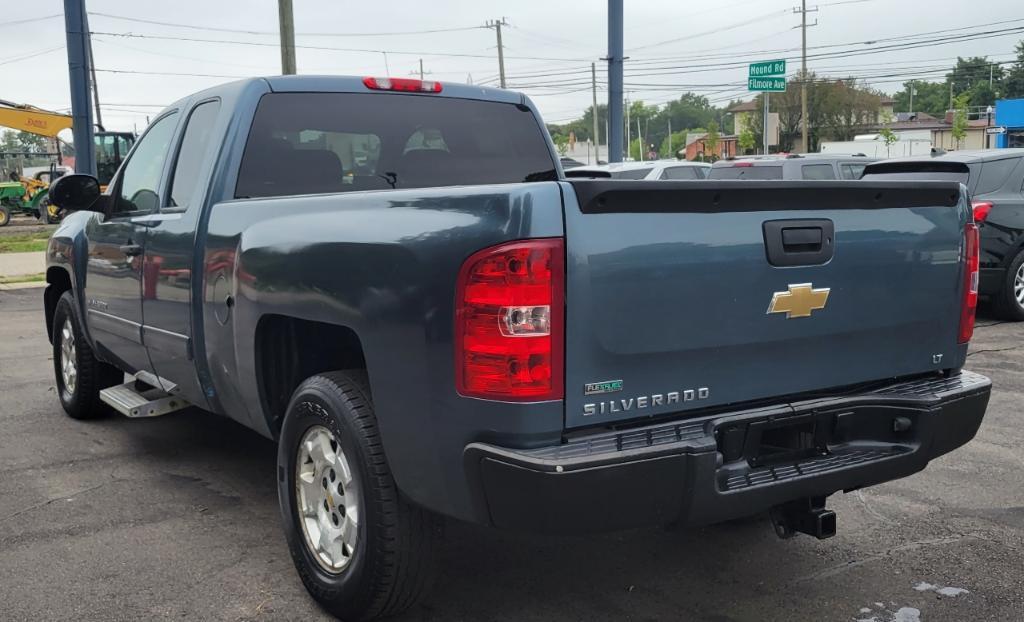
[77, 192]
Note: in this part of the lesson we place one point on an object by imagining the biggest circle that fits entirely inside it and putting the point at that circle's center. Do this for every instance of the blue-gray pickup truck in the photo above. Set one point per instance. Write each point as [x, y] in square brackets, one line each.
[394, 280]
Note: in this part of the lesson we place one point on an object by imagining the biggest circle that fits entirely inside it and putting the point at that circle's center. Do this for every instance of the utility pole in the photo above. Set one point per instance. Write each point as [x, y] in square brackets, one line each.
[615, 58]
[640, 140]
[629, 139]
[766, 117]
[92, 73]
[671, 154]
[77, 31]
[286, 21]
[422, 73]
[911, 111]
[597, 136]
[496, 25]
[803, 10]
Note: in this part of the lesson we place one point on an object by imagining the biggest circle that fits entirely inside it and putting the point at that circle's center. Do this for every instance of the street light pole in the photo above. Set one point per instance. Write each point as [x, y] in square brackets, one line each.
[615, 58]
[78, 74]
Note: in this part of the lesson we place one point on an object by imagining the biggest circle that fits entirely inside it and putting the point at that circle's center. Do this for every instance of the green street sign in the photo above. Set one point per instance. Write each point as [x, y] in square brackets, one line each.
[767, 68]
[770, 85]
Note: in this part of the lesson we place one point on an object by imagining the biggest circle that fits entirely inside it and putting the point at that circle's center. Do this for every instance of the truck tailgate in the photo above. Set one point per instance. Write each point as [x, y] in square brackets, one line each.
[686, 295]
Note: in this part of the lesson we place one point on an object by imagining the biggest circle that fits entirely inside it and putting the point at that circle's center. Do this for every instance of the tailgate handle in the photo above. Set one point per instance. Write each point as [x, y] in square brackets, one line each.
[801, 239]
[799, 242]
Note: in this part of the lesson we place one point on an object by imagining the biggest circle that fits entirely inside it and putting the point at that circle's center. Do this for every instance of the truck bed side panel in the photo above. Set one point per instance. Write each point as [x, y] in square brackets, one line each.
[383, 264]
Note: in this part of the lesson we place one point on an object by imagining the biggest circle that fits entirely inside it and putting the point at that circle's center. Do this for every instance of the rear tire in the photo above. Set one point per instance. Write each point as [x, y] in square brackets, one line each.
[1005, 303]
[332, 468]
[80, 376]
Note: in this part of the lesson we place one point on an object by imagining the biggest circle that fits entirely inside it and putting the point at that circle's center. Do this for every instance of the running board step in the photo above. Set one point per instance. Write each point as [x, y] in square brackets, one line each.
[134, 399]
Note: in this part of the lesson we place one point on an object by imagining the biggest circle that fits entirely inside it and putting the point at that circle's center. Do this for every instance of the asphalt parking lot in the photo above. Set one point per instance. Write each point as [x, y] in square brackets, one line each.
[176, 518]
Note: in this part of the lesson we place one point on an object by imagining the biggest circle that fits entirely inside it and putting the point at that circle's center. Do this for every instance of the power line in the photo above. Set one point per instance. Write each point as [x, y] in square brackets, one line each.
[131, 35]
[30, 20]
[275, 33]
[14, 59]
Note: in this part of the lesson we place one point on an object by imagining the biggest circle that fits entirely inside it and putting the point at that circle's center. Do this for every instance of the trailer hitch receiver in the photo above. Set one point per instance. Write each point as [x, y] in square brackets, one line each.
[807, 516]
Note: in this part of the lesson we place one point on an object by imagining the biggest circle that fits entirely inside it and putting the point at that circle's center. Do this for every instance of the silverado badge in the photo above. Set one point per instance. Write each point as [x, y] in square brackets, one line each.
[799, 301]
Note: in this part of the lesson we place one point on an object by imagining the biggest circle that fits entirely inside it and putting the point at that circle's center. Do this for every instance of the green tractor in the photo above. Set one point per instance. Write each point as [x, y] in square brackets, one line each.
[27, 196]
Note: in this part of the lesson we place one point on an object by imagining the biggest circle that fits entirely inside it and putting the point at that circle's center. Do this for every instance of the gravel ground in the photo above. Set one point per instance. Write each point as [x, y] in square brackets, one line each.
[176, 518]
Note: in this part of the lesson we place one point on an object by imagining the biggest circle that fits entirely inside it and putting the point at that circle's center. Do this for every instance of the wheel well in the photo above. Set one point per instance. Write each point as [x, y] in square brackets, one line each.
[289, 350]
[58, 281]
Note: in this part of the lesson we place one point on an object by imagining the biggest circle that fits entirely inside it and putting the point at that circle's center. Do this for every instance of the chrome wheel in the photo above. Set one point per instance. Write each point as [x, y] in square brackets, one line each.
[327, 496]
[1018, 285]
[68, 354]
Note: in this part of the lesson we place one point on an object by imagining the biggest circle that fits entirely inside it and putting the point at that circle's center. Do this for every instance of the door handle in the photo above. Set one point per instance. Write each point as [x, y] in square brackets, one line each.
[131, 250]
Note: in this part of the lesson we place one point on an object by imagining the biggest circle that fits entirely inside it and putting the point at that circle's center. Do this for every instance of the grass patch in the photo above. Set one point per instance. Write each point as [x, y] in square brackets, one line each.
[24, 243]
[22, 278]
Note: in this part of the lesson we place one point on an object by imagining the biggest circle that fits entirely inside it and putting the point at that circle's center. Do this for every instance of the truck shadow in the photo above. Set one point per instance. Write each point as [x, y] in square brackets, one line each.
[486, 574]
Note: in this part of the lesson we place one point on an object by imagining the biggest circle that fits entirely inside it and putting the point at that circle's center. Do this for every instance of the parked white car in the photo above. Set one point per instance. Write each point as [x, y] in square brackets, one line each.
[653, 169]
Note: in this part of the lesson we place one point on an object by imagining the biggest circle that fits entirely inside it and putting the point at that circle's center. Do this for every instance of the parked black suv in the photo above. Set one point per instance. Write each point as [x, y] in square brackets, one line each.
[995, 179]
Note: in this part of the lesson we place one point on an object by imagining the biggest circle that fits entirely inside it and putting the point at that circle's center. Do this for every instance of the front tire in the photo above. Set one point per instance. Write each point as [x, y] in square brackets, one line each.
[80, 376]
[1008, 303]
[361, 549]
[5, 215]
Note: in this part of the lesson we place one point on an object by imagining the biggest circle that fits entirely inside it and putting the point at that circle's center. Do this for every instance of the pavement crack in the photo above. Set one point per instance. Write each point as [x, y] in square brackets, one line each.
[872, 511]
[42, 504]
[970, 354]
[909, 546]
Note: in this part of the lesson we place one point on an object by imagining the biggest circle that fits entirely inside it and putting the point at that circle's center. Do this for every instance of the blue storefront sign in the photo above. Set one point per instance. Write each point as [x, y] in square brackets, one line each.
[1010, 115]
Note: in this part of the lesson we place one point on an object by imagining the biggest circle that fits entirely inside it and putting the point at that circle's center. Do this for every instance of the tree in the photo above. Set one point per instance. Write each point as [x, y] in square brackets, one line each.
[1013, 82]
[929, 97]
[745, 140]
[678, 144]
[848, 107]
[959, 130]
[12, 141]
[889, 138]
[634, 149]
[969, 73]
[711, 141]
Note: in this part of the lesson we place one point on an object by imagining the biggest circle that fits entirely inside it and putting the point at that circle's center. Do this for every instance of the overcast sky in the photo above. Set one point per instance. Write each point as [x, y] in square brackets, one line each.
[673, 45]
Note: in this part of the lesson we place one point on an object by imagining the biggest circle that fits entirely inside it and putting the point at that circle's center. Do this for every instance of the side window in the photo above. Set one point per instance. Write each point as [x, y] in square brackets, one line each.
[140, 177]
[680, 172]
[817, 171]
[994, 174]
[851, 171]
[190, 156]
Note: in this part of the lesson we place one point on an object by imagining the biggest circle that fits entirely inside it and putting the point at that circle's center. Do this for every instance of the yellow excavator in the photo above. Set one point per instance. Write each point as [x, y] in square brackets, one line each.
[30, 194]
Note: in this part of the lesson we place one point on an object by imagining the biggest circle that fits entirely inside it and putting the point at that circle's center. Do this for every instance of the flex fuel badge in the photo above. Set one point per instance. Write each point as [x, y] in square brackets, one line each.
[605, 386]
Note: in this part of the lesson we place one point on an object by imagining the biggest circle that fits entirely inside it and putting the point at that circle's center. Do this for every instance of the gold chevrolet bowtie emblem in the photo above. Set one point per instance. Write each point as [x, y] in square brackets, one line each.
[799, 301]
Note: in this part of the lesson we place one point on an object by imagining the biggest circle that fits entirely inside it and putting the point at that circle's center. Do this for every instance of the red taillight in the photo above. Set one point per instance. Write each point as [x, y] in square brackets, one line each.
[981, 210]
[971, 266]
[509, 322]
[408, 85]
[744, 164]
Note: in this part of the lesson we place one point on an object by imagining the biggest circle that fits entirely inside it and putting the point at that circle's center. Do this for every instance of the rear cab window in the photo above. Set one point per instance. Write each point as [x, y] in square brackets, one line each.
[311, 143]
[922, 170]
[817, 171]
[764, 171]
[681, 172]
[636, 173]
